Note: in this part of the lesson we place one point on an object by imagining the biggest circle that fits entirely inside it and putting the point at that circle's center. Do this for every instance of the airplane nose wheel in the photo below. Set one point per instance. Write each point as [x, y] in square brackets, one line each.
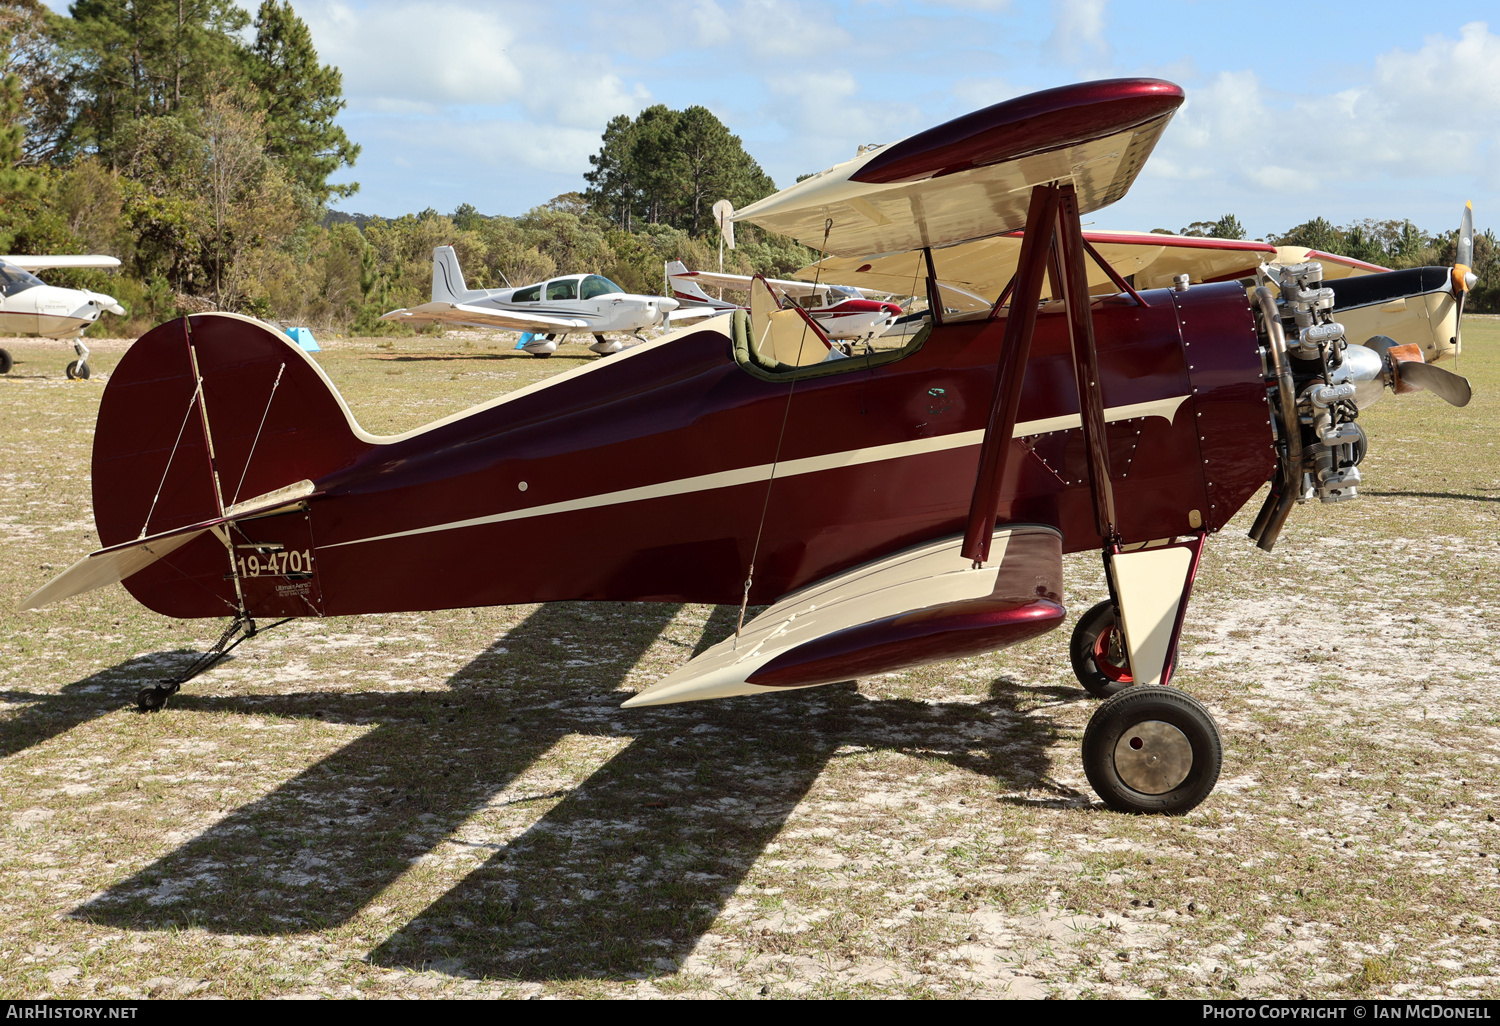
[6, 363]
[78, 369]
[1152, 749]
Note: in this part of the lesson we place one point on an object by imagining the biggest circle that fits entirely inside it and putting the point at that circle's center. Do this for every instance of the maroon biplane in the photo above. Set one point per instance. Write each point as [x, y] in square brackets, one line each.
[892, 508]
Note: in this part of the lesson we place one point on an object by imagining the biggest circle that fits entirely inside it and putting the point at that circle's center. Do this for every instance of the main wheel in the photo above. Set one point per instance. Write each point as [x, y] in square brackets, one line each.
[78, 369]
[1098, 654]
[1152, 749]
[6, 362]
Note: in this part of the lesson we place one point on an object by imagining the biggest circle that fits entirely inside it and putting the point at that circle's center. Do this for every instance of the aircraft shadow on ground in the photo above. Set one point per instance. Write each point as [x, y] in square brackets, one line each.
[1465, 496]
[48, 715]
[622, 876]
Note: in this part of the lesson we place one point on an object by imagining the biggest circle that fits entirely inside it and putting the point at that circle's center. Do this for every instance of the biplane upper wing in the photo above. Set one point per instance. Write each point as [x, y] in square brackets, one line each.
[984, 266]
[1334, 265]
[971, 178]
[483, 317]
[44, 263]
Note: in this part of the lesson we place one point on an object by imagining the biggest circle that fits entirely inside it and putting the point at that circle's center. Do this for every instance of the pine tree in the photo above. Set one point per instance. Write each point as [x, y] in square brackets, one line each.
[300, 98]
[612, 187]
[14, 182]
[135, 59]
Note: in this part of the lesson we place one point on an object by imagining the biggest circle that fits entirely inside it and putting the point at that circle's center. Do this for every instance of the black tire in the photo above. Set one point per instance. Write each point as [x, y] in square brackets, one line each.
[6, 362]
[1111, 726]
[78, 370]
[1086, 634]
[1081, 652]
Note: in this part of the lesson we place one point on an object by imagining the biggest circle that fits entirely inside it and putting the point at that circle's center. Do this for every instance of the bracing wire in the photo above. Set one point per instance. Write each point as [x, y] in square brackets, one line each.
[264, 414]
[776, 457]
[192, 400]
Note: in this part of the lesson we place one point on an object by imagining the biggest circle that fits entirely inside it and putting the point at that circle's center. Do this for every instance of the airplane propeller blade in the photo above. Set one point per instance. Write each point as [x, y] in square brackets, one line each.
[1463, 277]
[1444, 384]
[1465, 256]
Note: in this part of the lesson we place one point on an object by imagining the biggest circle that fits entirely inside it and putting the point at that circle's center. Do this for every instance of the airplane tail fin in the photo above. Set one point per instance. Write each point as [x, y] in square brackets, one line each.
[683, 284]
[447, 280]
[201, 415]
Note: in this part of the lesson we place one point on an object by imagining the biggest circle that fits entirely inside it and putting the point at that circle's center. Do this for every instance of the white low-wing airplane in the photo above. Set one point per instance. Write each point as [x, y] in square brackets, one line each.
[553, 309]
[29, 306]
[842, 311]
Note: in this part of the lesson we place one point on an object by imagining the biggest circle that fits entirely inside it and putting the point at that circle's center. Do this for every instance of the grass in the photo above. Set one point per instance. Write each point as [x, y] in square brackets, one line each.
[453, 803]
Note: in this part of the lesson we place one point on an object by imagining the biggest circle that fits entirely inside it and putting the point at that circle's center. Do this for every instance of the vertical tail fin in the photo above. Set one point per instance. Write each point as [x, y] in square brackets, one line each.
[683, 284]
[447, 280]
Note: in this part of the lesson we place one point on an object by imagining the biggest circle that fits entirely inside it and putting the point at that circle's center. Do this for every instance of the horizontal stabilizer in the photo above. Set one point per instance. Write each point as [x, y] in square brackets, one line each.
[484, 317]
[116, 562]
[917, 606]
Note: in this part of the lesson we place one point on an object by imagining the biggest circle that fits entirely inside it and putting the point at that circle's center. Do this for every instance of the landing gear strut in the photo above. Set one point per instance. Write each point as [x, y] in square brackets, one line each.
[241, 628]
[78, 370]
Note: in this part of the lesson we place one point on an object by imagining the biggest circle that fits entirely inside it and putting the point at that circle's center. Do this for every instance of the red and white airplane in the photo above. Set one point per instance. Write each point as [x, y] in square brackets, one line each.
[890, 508]
[841, 311]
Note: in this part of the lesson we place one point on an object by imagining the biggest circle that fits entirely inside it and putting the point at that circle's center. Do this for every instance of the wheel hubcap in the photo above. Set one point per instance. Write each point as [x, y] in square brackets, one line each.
[1153, 757]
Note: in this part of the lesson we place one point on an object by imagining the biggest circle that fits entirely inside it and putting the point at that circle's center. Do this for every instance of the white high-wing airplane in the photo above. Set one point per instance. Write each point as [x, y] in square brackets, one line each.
[552, 309]
[29, 306]
[842, 311]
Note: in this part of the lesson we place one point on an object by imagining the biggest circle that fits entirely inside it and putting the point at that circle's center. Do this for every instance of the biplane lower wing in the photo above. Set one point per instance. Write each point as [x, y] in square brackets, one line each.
[920, 605]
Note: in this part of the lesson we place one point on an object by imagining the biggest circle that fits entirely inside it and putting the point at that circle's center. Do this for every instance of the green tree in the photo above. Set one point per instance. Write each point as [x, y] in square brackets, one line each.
[300, 98]
[611, 182]
[14, 182]
[1226, 227]
[669, 167]
[1319, 233]
[132, 59]
[28, 49]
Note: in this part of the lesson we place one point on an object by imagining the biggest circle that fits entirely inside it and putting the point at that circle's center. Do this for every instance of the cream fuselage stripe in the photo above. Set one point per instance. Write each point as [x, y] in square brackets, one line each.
[1164, 408]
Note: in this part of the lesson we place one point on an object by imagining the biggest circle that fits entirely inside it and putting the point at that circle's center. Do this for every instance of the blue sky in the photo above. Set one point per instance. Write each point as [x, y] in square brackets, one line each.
[1348, 110]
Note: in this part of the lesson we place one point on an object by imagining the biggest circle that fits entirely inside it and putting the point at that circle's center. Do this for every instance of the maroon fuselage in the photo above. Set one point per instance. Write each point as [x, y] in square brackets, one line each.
[386, 526]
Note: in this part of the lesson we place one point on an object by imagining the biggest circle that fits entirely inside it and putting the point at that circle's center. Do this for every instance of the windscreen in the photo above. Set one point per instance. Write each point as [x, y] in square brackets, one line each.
[595, 286]
[14, 280]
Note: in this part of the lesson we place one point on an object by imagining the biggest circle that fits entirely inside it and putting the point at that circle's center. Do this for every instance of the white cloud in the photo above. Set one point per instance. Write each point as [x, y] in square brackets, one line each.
[712, 27]
[1427, 113]
[976, 93]
[427, 52]
[814, 86]
[788, 28]
[1078, 29]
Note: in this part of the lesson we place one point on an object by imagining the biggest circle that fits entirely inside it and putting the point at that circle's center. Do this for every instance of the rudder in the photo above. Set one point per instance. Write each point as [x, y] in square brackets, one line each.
[167, 456]
[447, 280]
